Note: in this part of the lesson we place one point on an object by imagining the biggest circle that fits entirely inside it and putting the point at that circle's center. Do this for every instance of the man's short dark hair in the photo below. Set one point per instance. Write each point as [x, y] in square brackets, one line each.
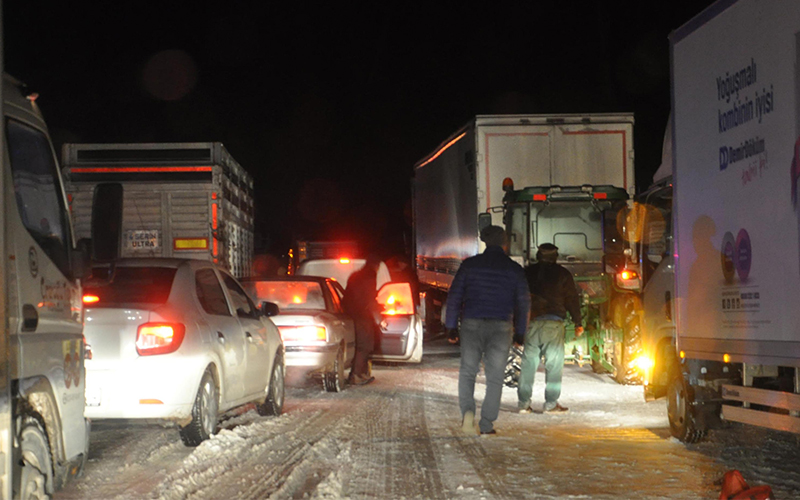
[493, 236]
[547, 253]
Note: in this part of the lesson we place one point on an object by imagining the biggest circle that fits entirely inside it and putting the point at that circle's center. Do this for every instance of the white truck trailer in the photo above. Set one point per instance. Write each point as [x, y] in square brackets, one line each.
[189, 200]
[44, 437]
[736, 118]
[463, 178]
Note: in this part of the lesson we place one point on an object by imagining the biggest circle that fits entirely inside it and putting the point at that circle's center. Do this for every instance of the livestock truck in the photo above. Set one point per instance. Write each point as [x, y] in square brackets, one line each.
[736, 155]
[185, 200]
[44, 437]
[464, 178]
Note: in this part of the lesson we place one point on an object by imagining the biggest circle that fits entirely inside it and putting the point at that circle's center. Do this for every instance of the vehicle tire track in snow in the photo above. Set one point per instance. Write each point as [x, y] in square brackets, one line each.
[255, 460]
[396, 450]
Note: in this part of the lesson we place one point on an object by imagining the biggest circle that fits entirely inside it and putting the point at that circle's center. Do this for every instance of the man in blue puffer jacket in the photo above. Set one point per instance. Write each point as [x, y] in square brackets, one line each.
[490, 295]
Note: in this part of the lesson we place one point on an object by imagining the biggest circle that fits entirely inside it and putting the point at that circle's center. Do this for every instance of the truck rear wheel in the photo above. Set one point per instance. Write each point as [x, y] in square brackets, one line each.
[37, 470]
[680, 410]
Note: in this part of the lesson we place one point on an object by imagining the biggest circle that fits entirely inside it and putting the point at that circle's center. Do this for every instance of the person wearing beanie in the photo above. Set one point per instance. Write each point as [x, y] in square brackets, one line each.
[489, 295]
[553, 293]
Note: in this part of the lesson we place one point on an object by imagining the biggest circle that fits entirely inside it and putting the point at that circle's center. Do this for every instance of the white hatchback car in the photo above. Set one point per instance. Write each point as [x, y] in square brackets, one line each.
[178, 339]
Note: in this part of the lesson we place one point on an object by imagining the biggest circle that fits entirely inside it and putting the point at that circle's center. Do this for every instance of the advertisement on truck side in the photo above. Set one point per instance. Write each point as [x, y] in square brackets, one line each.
[735, 85]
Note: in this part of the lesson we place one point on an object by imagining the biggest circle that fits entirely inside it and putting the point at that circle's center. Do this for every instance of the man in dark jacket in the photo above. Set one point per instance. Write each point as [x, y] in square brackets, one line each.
[553, 294]
[359, 302]
[488, 292]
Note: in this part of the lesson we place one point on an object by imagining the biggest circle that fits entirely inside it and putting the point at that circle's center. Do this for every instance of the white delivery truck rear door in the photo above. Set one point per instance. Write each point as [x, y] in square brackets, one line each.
[557, 150]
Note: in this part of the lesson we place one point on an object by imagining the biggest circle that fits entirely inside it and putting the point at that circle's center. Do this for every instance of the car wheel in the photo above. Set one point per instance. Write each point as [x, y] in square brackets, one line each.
[334, 380]
[204, 413]
[36, 468]
[680, 411]
[273, 404]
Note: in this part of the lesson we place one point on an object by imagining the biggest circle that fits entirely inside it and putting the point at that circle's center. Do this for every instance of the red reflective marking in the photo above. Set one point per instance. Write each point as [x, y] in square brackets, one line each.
[540, 197]
[216, 249]
[124, 170]
[214, 216]
[600, 196]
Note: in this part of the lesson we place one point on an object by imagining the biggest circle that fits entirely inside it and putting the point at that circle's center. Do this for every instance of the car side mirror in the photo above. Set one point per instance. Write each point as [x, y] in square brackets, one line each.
[81, 259]
[269, 309]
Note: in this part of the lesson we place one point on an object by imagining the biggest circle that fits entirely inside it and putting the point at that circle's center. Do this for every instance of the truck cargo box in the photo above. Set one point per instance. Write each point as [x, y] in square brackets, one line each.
[188, 200]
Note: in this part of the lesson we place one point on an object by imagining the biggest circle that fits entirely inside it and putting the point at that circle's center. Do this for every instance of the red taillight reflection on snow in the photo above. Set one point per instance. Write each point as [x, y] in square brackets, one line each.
[159, 338]
[396, 299]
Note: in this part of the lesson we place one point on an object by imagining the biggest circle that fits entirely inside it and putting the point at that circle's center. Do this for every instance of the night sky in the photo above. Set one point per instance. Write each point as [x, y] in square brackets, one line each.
[329, 105]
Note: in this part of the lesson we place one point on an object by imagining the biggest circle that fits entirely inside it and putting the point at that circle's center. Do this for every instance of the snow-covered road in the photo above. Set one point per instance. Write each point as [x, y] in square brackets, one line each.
[400, 438]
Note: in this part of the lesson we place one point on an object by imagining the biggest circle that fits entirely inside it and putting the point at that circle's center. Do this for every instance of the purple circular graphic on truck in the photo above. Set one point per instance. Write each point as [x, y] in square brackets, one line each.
[728, 254]
[744, 254]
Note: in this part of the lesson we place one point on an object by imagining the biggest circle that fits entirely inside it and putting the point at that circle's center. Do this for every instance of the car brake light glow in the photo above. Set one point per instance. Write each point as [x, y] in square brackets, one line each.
[396, 299]
[344, 260]
[305, 333]
[159, 338]
[91, 299]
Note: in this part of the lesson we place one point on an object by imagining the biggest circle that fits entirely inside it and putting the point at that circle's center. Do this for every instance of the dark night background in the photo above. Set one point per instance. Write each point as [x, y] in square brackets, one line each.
[329, 106]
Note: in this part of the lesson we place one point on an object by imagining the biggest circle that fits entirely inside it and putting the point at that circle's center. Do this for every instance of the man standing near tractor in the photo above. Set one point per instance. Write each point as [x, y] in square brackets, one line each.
[553, 294]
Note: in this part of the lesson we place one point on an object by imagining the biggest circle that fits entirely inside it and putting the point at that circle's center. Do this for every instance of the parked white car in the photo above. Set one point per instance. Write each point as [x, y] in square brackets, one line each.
[318, 336]
[180, 340]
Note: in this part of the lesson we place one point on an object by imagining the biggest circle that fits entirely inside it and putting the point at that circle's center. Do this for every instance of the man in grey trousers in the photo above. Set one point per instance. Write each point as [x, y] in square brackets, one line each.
[490, 295]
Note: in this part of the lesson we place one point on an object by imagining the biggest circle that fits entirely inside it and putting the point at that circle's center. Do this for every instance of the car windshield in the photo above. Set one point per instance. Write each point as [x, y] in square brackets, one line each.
[288, 294]
[133, 285]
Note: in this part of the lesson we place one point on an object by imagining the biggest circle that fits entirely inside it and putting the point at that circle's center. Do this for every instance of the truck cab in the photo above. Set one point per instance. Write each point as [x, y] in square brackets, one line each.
[584, 222]
[658, 356]
[45, 436]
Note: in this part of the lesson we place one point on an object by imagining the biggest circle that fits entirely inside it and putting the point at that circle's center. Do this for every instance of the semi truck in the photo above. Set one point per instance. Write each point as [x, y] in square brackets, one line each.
[189, 200]
[463, 178]
[736, 154]
[44, 437]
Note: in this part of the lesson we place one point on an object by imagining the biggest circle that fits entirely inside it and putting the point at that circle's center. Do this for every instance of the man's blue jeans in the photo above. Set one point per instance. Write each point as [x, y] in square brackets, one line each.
[489, 339]
[544, 337]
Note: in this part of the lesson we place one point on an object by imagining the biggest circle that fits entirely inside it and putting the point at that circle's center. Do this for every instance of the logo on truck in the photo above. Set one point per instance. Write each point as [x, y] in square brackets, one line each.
[71, 350]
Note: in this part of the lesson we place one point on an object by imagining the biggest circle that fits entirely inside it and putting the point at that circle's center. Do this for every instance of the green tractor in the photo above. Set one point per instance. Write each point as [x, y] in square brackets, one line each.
[587, 224]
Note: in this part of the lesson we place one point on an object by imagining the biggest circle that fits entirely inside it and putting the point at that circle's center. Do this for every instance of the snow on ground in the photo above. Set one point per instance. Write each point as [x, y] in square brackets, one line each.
[400, 437]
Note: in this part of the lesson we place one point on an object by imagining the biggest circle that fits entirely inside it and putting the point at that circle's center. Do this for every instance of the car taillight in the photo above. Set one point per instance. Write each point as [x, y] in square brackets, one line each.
[395, 299]
[159, 338]
[91, 299]
[307, 333]
[628, 279]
